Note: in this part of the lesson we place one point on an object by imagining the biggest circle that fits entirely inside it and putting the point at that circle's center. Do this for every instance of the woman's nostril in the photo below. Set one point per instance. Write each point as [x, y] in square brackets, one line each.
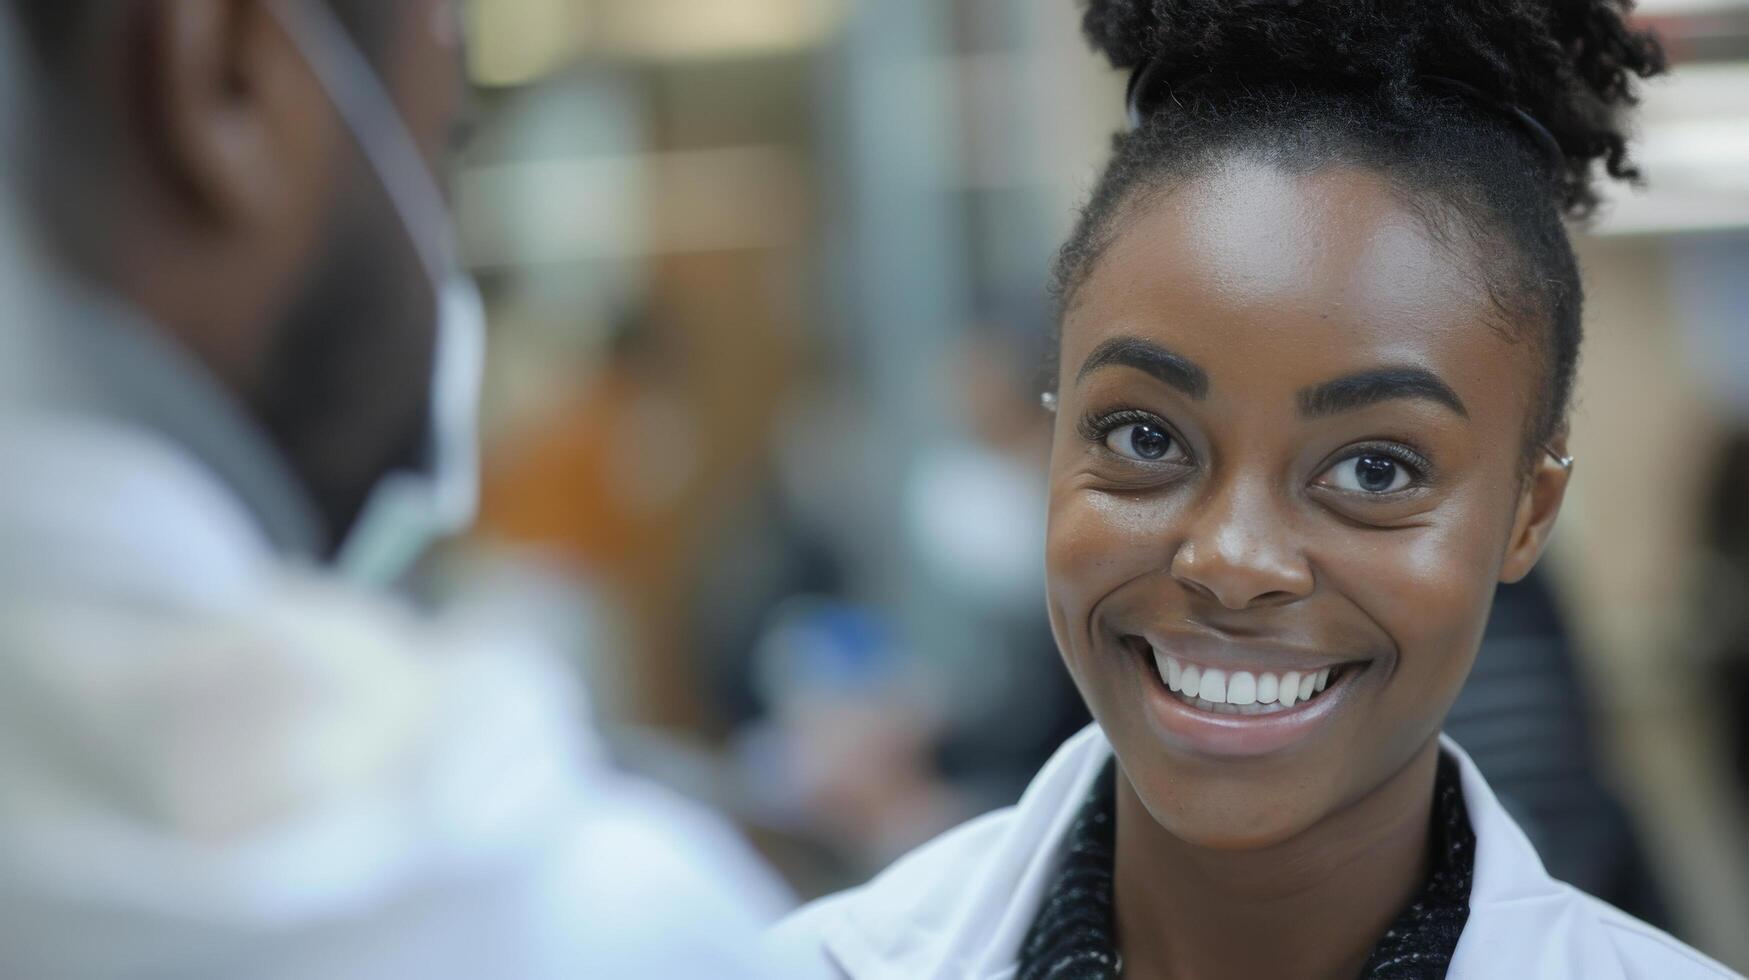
[1198, 589]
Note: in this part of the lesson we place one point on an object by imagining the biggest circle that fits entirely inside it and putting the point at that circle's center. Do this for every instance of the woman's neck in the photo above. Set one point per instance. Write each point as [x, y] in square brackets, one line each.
[1313, 906]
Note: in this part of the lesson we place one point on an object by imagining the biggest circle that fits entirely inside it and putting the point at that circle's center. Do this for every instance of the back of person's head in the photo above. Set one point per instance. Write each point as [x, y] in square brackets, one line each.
[197, 162]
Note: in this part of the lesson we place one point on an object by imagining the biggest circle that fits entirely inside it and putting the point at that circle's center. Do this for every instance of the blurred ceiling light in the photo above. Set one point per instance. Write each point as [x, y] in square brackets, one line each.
[685, 29]
[556, 212]
[546, 212]
[513, 42]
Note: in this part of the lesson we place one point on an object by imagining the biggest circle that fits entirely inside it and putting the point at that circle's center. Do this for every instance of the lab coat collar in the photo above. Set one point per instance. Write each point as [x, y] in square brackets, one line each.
[1521, 920]
[905, 924]
[90, 358]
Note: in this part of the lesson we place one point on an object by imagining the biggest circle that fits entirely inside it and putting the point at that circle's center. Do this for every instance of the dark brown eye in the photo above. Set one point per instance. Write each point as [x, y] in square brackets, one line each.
[1141, 441]
[1372, 473]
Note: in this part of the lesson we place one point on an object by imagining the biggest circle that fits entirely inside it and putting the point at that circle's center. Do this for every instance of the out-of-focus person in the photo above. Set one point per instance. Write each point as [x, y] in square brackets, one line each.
[976, 503]
[243, 407]
[1726, 617]
[864, 738]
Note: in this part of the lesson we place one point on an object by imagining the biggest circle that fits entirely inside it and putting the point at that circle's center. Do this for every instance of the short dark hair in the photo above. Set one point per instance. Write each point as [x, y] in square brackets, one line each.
[1305, 84]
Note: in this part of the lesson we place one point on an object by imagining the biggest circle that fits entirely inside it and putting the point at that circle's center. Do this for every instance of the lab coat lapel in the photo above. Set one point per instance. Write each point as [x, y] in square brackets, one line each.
[1522, 922]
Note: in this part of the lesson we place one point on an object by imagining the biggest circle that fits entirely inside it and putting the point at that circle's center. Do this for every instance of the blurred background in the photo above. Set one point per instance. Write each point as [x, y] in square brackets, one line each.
[767, 284]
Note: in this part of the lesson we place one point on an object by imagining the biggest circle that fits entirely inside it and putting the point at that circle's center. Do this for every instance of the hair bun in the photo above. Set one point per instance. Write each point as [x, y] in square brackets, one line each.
[1571, 65]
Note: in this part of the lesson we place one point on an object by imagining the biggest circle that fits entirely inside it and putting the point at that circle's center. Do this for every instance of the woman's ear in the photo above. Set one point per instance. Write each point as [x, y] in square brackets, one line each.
[1539, 503]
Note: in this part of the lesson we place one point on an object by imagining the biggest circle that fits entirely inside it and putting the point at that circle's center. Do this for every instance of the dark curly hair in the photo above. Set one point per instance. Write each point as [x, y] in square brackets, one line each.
[1425, 93]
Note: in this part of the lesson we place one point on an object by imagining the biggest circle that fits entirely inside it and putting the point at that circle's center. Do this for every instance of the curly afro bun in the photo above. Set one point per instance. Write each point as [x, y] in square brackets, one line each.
[1569, 64]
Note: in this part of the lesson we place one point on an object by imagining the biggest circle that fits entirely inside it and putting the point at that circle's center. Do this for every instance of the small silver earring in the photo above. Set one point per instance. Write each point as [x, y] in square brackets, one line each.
[1049, 401]
[1565, 462]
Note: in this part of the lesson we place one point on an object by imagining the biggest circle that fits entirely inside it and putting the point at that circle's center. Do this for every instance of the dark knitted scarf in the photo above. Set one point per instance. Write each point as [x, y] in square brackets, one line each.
[1073, 937]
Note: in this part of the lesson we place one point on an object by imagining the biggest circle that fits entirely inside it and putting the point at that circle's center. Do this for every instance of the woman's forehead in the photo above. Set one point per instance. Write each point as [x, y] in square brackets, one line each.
[1315, 274]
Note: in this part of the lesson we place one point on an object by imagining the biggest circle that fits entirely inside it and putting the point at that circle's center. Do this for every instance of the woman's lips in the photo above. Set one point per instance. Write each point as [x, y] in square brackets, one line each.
[1250, 704]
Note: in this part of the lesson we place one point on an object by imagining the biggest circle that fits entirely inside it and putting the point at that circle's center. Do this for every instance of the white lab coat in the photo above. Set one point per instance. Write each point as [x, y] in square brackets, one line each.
[959, 908]
[219, 763]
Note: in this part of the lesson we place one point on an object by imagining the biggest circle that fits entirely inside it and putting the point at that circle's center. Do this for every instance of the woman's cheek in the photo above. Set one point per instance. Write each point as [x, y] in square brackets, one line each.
[1098, 541]
[1425, 590]
[1073, 556]
[1091, 549]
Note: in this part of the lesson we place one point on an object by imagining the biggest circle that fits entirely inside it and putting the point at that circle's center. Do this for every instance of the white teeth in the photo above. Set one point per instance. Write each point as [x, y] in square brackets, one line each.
[1214, 685]
[1290, 688]
[1190, 682]
[1267, 687]
[1242, 688]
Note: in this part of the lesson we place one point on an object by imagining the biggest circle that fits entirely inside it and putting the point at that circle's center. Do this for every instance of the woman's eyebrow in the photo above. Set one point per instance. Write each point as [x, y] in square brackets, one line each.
[1357, 391]
[1144, 355]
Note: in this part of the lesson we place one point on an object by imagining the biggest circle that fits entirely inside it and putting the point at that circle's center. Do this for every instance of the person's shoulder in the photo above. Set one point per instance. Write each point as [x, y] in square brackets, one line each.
[1649, 953]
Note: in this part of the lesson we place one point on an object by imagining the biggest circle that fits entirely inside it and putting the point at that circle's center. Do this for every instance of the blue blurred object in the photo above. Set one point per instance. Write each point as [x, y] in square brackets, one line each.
[820, 646]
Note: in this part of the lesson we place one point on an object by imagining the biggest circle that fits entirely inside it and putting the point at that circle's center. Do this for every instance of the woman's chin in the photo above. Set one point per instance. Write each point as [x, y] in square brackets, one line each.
[1233, 819]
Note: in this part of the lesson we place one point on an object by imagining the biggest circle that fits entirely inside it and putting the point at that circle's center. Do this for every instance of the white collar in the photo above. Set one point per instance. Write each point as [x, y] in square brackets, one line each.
[90, 357]
[100, 508]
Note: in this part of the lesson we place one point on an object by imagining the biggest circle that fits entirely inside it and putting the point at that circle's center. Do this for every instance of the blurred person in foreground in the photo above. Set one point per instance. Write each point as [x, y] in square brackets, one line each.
[225, 749]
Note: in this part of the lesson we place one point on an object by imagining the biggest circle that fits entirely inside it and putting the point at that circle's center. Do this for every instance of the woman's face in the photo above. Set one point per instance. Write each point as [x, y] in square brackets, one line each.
[1289, 454]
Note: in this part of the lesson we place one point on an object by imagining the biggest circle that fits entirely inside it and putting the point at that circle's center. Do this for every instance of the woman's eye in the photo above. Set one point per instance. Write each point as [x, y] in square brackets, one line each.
[1141, 441]
[1369, 473]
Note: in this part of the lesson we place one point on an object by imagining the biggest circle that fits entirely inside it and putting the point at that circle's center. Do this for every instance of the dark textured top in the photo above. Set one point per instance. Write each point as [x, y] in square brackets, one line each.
[1074, 935]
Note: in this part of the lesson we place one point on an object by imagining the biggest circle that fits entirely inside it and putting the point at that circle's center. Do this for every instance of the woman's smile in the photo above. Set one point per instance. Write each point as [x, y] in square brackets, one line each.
[1232, 700]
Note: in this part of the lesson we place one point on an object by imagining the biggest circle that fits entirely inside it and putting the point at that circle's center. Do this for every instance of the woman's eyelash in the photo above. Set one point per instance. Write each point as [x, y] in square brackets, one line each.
[1095, 428]
[1420, 465]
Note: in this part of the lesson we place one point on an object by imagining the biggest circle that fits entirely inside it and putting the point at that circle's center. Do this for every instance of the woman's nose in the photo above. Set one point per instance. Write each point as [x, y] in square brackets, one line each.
[1238, 551]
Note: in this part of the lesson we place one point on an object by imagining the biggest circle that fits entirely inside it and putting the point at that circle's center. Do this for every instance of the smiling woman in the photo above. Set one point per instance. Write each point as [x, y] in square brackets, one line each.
[1320, 325]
